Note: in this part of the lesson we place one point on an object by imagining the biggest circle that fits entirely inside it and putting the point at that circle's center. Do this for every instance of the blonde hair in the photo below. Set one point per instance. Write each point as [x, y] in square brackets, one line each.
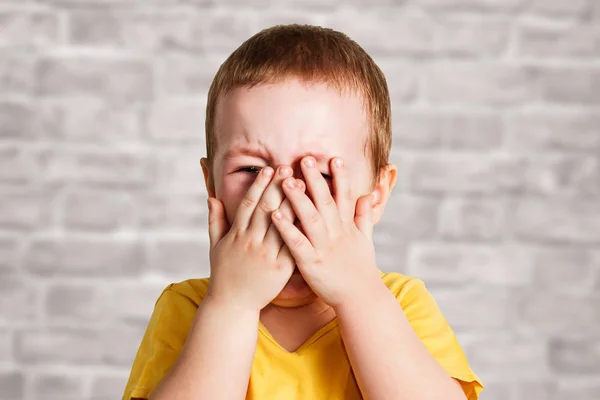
[314, 55]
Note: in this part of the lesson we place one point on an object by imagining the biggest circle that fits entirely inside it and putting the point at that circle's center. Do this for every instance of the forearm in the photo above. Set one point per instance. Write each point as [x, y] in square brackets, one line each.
[216, 360]
[387, 357]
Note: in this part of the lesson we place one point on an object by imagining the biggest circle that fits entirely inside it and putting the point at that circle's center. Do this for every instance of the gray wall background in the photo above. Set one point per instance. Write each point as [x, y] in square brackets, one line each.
[496, 135]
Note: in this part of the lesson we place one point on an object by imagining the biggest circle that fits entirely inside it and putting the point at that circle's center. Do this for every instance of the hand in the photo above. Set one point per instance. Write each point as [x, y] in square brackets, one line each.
[249, 263]
[336, 255]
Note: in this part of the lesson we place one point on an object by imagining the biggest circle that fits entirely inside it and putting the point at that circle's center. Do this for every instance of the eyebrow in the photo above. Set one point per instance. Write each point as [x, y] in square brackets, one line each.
[254, 152]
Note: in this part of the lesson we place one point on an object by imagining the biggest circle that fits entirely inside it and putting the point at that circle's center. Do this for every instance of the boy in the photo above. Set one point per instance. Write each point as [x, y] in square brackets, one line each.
[298, 134]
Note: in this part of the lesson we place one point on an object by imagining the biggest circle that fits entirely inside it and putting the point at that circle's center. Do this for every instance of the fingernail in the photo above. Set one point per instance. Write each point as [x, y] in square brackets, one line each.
[338, 162]
[291, 183]
[268, 171]
[284, 172]
[277, 214]
[309, 162]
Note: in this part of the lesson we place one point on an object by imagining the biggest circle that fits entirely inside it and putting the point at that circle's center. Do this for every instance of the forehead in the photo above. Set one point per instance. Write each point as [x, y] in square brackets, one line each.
[289, 119]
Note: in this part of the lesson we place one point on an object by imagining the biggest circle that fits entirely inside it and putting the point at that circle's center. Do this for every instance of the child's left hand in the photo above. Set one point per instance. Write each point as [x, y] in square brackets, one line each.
[336, 255]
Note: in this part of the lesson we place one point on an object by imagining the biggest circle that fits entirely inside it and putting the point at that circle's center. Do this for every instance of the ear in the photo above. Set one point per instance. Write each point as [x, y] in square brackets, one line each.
[383, 188]
[208, 181]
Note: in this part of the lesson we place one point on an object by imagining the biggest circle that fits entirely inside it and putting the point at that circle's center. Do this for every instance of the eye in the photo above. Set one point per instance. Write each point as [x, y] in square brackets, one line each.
[250, 170]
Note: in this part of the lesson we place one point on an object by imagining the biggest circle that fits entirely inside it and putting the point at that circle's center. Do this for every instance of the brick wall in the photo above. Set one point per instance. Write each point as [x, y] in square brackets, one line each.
[496, 134]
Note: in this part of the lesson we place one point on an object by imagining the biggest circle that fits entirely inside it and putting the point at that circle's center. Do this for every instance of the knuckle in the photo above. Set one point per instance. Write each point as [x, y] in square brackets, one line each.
[266, 206]
[298, 241]
[329, 201]
[314, 218]
[247, 202]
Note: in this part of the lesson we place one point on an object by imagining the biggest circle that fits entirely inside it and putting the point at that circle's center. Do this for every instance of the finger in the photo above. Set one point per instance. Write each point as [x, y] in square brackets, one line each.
[310, 218]
[272, 238]
[217, 221]
[285, 258]
[299, 246]
[364, 215]
[341, 189]
[251, 198]
[270, 201]
[320, 193]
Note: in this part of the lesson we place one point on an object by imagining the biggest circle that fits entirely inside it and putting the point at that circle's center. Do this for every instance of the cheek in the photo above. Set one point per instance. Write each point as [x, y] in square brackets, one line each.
[231, 191]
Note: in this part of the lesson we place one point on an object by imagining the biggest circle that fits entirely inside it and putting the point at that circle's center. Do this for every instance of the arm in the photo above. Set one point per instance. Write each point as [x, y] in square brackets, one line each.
[336, 256]
[388, 358]
[216, 359]
[249, 267]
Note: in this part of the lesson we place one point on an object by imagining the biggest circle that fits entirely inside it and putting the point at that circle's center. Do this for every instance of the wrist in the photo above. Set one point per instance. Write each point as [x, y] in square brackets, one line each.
[368, 300]
[228, 306]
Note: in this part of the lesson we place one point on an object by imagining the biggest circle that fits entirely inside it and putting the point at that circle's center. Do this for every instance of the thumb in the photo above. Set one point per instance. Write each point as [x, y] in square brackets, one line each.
[363, 218]
[217, 223]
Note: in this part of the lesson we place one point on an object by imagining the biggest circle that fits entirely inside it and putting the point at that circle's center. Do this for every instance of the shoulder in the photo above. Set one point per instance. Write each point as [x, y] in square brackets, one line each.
[403, 287]
[193, 290]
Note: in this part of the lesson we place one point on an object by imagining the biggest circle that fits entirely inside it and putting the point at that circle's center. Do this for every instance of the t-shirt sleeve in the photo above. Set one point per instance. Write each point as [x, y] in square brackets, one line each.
[438, 337]
[162, 342]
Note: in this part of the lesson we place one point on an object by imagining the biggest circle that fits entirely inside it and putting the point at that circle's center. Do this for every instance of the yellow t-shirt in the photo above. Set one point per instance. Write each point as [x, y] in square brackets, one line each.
[319, 369]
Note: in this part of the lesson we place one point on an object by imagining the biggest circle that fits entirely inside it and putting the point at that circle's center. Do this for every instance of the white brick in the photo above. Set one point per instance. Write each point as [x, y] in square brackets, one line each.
[183, 74]
[16, 120]
[222, 31]
[559, 42]
[114, 169]
[58, 387]
[402, 79]
[113, 346]
[97, 210]
[123, 80]
[19, 299]
[559, 8]
[472, 219]
[573, 86]
[486, 308]
[511, 357]
[135, 300]
[575, 356]
[468, 5]
[179, 256]
[558, 130]
[147, 30]
[467, 264]
[408, 31]
[77, 302]
[89, 120]
[564, 174]
[84, 257]
[10, 252]
[180, 172]
[108, 387]
[557, 220]
[466, 173]
[565, 268]
[177, 121]
[18, 165]
[454, 130]
[12, 383]
[16, 73]
[26, 210]
[558, 313]
[482, 83]
[5, 345]
[172, 211]
[29, 29]
[479, 36]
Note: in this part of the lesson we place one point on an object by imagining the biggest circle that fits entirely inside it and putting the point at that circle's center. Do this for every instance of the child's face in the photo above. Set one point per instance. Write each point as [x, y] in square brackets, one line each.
[279, 124]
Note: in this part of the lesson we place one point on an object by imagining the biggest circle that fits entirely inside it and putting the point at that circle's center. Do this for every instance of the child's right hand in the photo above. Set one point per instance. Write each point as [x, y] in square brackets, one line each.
[249, 263]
